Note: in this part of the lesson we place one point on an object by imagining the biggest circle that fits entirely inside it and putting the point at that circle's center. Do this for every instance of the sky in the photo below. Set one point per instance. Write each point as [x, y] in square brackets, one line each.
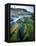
[28, 8]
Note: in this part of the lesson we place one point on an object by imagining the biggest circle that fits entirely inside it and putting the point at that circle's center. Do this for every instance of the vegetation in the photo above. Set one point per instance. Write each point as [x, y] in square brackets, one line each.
[23, 30]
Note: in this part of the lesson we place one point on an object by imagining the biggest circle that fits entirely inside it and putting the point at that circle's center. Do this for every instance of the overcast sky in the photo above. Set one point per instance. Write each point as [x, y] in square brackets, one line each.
[29, 8]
